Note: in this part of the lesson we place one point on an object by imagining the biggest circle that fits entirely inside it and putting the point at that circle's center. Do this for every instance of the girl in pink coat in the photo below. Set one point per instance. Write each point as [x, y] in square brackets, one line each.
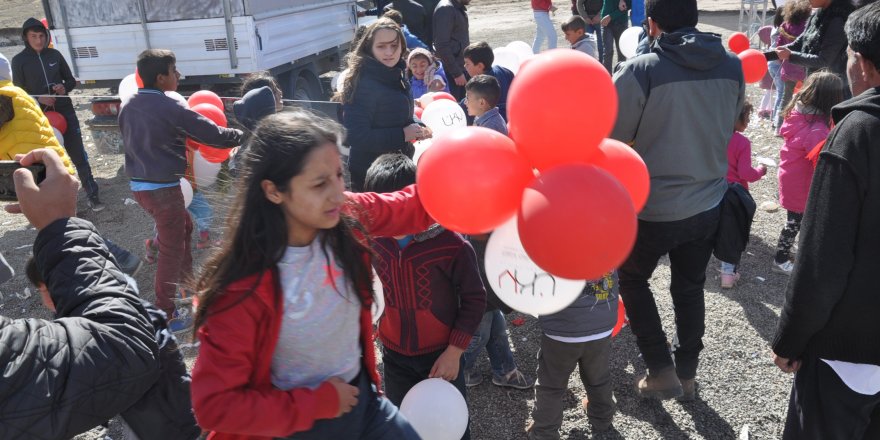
[806, 123]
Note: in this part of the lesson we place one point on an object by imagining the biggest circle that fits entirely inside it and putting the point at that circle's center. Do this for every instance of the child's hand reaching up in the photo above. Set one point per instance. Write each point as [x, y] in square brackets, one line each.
[348, 395]
[446, 366]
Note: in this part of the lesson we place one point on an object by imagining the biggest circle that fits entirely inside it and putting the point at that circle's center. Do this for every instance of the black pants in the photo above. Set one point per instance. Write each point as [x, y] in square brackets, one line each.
[823, 407]
[404, 372]
[611, 37]
[73, 143]
[689, 243]
[787, 236]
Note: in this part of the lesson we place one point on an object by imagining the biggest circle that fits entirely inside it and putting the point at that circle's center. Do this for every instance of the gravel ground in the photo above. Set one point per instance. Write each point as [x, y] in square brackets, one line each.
[739, 388]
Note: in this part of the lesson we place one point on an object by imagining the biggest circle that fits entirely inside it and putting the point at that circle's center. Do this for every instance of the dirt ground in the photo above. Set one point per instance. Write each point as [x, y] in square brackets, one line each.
[742, 394]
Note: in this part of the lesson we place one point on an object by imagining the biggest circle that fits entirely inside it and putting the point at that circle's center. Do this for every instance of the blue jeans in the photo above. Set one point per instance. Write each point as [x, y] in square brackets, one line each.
[373, 418]
[201, 211]
[596, 29]
[492, 334]
[689, 243]
[545, 31]
[728, 268]
[775, 68]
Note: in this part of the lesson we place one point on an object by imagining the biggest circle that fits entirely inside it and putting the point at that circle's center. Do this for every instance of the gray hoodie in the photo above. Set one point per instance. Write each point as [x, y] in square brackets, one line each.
[677, 107]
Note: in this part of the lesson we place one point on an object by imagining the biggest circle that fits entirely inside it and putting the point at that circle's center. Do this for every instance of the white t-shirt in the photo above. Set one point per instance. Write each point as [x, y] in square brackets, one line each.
[861, 378]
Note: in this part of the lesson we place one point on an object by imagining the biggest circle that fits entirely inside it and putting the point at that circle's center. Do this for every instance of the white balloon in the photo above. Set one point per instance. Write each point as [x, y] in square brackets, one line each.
[521, 48]
[436, 410]
[443, 115]
[426, 100]
[507, 58]
[127, 88]
[421, 146]
[629, 41]
[205, 172]
[519, 282]
[58, 136]
[177, 97]
[187, 191]
[378, 299]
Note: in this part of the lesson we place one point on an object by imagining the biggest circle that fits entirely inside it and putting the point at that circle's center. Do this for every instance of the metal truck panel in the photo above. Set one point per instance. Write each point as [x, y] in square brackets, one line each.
[88, 13]
[290, 37]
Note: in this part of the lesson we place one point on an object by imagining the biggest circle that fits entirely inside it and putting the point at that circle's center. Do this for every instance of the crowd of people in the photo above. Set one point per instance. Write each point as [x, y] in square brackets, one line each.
[283, 307]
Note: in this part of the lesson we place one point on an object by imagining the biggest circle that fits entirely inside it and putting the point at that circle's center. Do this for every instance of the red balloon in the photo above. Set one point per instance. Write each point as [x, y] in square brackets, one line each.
[754, 65]
[57, 120]
[622, 162]
[211, 154]
[471, 179]
[621, 317]
[205, 97]
[548, 119]
[417, 112]
[738, 42]
[577, 222]
[137, 79]
[444, 95]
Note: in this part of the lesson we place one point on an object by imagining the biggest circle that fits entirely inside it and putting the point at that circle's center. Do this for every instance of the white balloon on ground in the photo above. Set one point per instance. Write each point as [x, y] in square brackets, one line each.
[205, 172]
[507, 58]
[378, 298]
[519, 282]
[58, 136]
[177, 97]
[443, 115]
[187, 191]
[629, 41]
[127, 88]
[421, 146]
[436, 410]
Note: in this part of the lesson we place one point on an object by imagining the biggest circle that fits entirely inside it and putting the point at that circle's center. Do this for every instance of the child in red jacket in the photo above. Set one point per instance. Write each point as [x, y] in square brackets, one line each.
[434, 296]
[284, 307]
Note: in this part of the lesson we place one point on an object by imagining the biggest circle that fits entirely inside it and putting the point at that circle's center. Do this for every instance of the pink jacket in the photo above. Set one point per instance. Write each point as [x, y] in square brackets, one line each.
[739, 161]
[801, 133]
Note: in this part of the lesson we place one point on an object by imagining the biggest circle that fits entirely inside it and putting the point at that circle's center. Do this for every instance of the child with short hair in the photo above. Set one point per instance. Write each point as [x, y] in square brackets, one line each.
[154, 129]
[741, 171]
[481, 98]
[575, 30]
[425, 73]
[807, 120]
[434, 296]
[478, 59]
[577, 336]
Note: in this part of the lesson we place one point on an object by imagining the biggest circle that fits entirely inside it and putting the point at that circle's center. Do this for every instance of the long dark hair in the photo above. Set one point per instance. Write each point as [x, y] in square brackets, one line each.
[256, 229]
[363, 52]
[821, 91]
[797, 11]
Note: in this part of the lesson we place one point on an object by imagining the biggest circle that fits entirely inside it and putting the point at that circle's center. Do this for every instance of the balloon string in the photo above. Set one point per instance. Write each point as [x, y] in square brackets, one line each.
[221, 97]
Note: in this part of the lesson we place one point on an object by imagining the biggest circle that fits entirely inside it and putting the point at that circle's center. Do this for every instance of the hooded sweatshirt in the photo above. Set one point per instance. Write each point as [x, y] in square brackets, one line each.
[677, 107]
[831, 302]
[37, 72]
[802, 130]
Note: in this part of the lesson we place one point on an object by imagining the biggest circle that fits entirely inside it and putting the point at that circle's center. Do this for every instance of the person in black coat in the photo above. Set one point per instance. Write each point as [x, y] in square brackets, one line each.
[377, 103]
[100, 355]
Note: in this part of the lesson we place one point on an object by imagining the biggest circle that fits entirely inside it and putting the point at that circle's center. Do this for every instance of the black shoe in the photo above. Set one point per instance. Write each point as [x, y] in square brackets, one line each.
[95, 204]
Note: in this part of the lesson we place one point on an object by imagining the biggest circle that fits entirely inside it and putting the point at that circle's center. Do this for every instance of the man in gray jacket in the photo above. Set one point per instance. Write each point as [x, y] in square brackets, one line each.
[451, 36]
[678, 105]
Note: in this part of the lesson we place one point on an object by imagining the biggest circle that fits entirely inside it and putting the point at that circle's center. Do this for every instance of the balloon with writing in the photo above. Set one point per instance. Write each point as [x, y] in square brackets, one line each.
[443, 115]
[519, 282]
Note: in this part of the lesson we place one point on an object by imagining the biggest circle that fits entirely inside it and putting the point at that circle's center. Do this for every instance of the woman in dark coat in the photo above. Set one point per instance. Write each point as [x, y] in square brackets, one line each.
[376, 100]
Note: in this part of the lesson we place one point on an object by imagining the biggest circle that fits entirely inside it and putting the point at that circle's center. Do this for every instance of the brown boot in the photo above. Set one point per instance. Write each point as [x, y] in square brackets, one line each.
[689, 390]
[663, 385]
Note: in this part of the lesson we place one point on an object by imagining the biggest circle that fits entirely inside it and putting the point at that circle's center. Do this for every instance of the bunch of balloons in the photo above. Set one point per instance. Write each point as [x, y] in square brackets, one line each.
[754, 64]
[572, 193]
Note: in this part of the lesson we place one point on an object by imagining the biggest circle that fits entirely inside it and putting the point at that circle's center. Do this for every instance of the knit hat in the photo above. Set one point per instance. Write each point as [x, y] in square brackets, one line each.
[5, 69]
[431, 71]
[253, 106]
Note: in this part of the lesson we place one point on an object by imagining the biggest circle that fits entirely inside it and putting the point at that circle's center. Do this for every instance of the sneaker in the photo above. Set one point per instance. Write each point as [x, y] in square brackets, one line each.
[205, 241]
[472, 378]
[728, 280]
[180, 322]
[514, 379]
[152, 250]
[689, 390]
[784, 268]
[663, 385]
[95, 204]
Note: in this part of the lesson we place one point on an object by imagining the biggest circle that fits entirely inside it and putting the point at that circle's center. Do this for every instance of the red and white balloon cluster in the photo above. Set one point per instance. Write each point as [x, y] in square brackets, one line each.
[575, 194]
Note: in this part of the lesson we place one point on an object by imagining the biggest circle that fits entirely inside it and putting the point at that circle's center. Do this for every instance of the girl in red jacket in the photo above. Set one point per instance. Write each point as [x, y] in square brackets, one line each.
[284, 307]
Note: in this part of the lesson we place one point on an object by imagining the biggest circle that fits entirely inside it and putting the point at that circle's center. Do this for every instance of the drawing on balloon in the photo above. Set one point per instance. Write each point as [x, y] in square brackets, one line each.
[450, 120]
[536, 284]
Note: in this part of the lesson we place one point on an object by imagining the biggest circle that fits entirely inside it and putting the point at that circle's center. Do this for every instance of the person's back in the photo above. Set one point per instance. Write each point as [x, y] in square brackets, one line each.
[678, 105]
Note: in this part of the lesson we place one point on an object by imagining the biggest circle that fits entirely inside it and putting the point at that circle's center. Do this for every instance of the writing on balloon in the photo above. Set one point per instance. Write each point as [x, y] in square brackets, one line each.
[539, 282]
[451, 119]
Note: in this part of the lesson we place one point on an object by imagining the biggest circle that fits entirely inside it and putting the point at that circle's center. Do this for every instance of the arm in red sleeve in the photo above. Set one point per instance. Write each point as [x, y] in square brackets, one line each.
[390, 214]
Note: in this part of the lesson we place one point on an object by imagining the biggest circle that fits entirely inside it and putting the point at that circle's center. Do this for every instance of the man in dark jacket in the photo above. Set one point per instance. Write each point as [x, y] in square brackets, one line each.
[688, 80]
[41, 70]
[828, 327]
[415, 18]
[591, 12]
[451, 36]
[99, 356]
